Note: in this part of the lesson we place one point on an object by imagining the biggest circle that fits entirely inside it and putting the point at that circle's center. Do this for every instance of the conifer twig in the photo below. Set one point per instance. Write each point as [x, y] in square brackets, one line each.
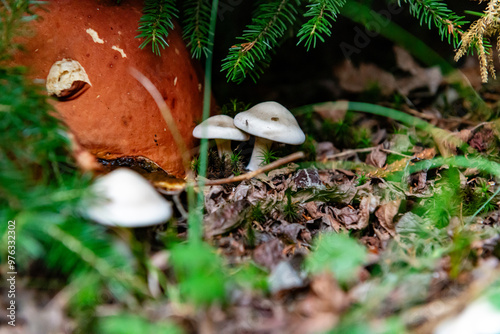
[321, 12]
[269, 24]
[156, 22]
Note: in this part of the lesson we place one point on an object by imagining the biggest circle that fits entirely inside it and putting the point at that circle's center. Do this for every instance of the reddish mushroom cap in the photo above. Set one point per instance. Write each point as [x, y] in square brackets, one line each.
[116, 117]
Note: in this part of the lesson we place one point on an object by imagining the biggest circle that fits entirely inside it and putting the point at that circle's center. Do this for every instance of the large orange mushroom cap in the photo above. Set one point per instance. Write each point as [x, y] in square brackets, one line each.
[116, 117]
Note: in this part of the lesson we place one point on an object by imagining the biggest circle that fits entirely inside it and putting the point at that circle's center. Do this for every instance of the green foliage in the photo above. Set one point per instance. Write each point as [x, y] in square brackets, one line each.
[339, 254]
[156, 22]
[290, 209]
[436, 12]
[270, 21]
[200, 273]
[13, 15]
[322, 13]
[234, 107]
[257, 213]
[235, 160]
[131, 324]
[196, 26]
[42, 190]
[250, 277]
[268, 156]
[444, 204]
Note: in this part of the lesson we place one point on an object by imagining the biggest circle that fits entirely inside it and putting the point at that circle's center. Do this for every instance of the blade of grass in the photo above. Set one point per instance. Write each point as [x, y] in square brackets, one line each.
[196, 203]
[440, 136]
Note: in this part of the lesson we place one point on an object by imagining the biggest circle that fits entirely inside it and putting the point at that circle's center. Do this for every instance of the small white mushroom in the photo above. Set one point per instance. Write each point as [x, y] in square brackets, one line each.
[127, 199]
[222, 129]
[67, 79]
[269, 122]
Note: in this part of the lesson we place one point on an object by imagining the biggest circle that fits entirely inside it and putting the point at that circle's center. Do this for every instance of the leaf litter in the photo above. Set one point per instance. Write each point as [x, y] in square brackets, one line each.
[354, 237]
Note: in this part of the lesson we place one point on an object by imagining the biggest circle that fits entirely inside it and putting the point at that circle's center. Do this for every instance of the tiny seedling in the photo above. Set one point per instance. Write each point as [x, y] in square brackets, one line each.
[235, 160]
[268, 156]
[290, 210]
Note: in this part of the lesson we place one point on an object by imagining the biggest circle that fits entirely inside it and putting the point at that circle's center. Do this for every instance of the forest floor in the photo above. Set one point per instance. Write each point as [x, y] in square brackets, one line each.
[383, 227]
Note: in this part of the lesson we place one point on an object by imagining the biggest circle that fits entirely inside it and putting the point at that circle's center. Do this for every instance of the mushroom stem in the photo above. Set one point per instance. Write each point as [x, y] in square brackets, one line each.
[259, 149]
[223, 147]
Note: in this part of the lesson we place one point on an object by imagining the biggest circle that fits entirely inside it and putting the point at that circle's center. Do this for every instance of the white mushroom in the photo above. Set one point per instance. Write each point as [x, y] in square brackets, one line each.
[268, 122]
[222, 129]
[127, 199]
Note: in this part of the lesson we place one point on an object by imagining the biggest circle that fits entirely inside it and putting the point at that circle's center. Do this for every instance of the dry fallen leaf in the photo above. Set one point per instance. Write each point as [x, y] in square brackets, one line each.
[386, 213]
[377, 157]
[357, 80]
[269, 254]
[226, 218]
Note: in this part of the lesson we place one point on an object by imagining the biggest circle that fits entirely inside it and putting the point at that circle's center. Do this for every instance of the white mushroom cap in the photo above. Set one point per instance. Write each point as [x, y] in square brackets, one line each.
[222, 129]
[219, 127]
[270, 120]
[127, 200]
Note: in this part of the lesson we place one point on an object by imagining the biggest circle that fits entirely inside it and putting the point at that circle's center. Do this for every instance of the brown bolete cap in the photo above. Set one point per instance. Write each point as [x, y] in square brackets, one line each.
[115, 116]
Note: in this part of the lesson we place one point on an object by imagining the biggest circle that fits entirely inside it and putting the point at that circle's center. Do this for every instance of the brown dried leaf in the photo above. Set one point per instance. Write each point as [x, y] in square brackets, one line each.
[386, 213]
[348, 216]
[333, 111]
[322, 305]
[307, 178]
[357, 80]
[405, 61]
[377, 157]
[226, 218]
[269, 254]
[324, 149]
[214, 198]
[292, 232]
[421, 77]
[367, 206]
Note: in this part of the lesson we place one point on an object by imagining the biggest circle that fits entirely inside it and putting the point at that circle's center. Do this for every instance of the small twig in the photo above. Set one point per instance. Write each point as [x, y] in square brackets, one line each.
[422, 115]
[350, 152]
[396, 153]
[247, 176]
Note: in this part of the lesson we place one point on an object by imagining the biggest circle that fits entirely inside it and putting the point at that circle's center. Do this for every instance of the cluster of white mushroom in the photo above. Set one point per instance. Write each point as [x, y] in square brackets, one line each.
[268, 122]
[126, 199]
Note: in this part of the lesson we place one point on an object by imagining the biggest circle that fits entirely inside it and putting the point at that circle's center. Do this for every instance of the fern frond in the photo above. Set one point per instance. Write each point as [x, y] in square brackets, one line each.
[322, 13]
[196, 26]
[155, 23]
[270, 21]
[436, 12]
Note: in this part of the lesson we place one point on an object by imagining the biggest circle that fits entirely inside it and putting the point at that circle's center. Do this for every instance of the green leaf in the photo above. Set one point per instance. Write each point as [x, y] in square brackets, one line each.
[339, 254]
[132, 324]
[200, 273]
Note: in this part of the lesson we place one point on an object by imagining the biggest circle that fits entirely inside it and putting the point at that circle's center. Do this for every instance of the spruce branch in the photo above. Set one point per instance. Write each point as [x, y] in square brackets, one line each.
[322, 13]
[436, 12]
[196, 26]
[270, 21]
[156, 22]
[478, 37]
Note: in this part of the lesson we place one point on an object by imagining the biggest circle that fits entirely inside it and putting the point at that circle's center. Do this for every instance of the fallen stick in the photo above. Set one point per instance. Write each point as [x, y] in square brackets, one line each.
[350, 152]
[266, 168]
